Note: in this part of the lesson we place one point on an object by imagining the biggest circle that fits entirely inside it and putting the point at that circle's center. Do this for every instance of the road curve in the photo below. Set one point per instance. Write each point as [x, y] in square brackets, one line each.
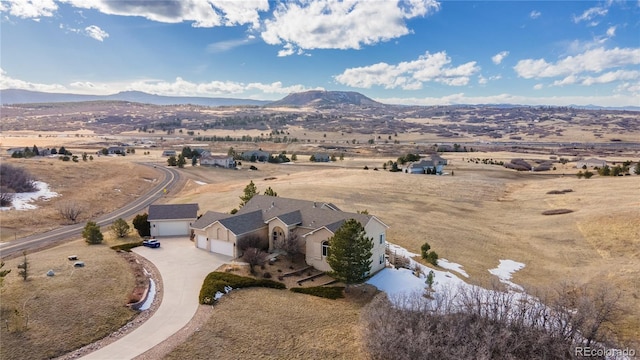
[171, 178]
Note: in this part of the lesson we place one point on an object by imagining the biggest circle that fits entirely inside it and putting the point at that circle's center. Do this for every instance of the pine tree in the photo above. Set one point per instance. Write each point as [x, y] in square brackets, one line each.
[270, 192]
[350, 253]
[181, 161]
[3, 273]
[249, 192]
[636, 170]
[92, 233]
[141, 224]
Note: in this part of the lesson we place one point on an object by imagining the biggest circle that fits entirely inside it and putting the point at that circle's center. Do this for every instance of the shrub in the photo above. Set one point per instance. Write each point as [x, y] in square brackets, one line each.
[267, 275]
[253, 167]
[141, 224]
[15, 179]
[328, 292]
[217, 282]
[120, 227]
[127, 247]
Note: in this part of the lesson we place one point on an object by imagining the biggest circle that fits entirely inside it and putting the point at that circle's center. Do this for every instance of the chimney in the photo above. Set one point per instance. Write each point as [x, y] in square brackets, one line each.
[314, 204]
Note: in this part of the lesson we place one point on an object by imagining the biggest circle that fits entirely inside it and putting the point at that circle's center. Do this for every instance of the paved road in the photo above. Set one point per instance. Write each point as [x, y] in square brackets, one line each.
[171, 178]
[183, 268]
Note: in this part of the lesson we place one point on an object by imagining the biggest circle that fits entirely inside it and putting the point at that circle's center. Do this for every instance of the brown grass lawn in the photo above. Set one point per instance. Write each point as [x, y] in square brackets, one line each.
[46, 317]
[99, 186]
[277, 324]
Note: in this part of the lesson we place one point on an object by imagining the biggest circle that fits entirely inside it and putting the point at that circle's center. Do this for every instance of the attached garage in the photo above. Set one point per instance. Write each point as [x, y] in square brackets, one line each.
[201, 242]
[222, 247]
[172, 220]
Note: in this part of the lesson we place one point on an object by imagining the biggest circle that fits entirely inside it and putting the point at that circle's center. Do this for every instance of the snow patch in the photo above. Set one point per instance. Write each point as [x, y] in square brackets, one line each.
[444, 263]
[199, 182]
[505, 270]
[22, 201]
[218, 294]
[151, 295]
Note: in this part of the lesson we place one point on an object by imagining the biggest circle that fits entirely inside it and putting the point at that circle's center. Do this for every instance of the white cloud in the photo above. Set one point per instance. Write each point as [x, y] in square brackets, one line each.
[202, 13]
[410, 75]
[590, 14]
[277, 88]
[29, 9]
[593, 60]
[7, 82]
[461, 98]
[538, 87]
[95, 32]
[535, 14]
[497, 58]
[611, 32]
[609, 77]
[346, 24]
[222, 46]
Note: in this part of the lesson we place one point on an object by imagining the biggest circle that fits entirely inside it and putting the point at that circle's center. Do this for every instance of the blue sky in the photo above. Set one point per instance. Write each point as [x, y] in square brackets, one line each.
[422, 52]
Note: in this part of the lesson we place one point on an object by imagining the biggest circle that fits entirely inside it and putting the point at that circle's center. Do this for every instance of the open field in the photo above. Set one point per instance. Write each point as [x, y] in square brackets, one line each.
[480, 215]
[98, 186]
[277, 324]
[46, 317]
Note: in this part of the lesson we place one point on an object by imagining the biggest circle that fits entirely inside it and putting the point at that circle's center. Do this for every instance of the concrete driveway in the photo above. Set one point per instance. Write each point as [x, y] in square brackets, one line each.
[183, 268]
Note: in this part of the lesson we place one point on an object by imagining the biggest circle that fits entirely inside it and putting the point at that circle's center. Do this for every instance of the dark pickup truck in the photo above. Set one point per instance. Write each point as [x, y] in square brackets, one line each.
[152, 243]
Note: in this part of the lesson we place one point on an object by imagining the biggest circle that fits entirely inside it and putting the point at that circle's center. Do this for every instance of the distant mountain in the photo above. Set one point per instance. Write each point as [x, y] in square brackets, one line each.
[15, 96]
[317, 98]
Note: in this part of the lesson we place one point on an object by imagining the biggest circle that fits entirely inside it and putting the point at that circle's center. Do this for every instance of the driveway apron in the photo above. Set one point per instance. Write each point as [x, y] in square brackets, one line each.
[183, 268]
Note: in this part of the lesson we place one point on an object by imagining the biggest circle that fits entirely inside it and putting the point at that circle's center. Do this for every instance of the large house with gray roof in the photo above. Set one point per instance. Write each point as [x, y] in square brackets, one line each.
[276, 218]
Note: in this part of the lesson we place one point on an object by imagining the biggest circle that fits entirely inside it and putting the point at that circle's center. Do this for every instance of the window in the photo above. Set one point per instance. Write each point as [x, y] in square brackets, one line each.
[381, 238]
[325, 248]
[275, 236]
[381, 259]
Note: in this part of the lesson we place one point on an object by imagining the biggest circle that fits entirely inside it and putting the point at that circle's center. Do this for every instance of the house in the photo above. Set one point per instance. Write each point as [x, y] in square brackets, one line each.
[202, 152]
[321, 157]
[17, 150]
[218, 160]
[169, 153]
[116, 150]
[173, 219]
[256, 155]
[435, 163]
[277, 218]
[591, 163]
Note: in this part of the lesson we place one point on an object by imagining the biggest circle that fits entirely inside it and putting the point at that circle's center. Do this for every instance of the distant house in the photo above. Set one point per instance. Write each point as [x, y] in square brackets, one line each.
[256, 155]
[218, 160]
[274, 218]
[169, 153]
[321, 157]
[116, 150]
[591, 163]
[173, 219]
[202, 152]
[426, 166]
[17, 150]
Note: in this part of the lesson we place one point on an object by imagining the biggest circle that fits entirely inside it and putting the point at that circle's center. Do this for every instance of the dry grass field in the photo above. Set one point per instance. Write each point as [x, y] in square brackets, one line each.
[277, 324]
[99, 187]
[46, 317]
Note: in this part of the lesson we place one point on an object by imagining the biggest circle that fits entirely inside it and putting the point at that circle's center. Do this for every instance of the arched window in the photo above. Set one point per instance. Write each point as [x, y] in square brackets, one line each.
[325, 248]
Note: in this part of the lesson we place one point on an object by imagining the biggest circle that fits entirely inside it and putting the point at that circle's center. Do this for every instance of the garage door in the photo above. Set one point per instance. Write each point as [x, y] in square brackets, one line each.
[222, 247]
[202, 242]
[172, 228]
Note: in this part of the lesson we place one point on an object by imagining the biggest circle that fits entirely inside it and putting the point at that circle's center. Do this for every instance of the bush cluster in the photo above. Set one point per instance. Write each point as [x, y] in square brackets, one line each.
[127, 247]
[328, 292]
[217, 281]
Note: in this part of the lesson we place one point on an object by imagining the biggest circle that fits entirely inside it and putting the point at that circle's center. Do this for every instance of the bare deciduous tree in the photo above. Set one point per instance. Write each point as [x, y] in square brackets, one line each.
[70, 210]
[254, 257]
[290, 244]
[475, 323]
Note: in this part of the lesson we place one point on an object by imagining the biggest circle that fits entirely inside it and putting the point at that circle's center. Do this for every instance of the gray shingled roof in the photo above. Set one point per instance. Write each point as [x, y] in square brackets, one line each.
[173, 212]
[261, 208]
[208, 218]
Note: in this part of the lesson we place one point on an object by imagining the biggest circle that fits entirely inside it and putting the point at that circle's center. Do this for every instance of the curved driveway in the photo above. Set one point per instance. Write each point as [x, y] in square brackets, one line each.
[183, 268]
[171, 178]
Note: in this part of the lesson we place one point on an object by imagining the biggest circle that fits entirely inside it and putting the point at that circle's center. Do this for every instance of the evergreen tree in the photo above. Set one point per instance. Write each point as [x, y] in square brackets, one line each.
[3, 273]
[172, 161]
[35, 150]
[24, 267]
[636, 170]
[249, 191]
[181, 161]
[270, 192]
[92, 233]
[141, 224]
[350, 253]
